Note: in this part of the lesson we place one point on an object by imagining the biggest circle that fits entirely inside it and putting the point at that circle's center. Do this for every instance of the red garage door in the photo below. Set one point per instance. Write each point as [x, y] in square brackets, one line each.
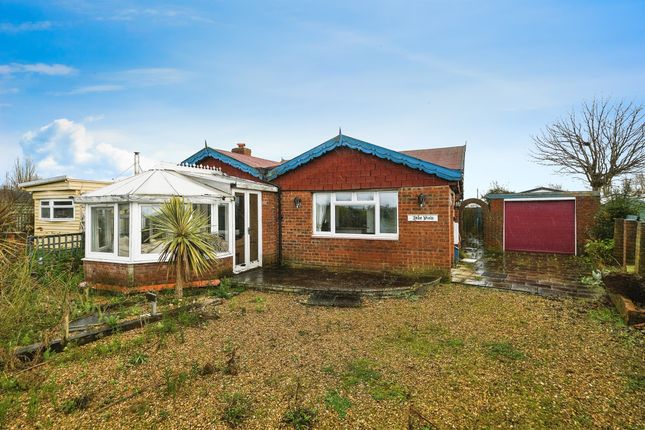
[540, 226]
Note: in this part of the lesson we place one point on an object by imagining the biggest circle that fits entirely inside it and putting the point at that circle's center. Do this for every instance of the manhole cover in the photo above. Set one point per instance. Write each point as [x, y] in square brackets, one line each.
[341, 300]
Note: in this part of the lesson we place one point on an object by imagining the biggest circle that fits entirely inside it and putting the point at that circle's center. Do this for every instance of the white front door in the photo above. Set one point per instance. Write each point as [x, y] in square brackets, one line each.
[248, 230]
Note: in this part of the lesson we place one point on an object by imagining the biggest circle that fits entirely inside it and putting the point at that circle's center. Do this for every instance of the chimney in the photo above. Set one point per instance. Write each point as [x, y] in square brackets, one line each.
[241, 149]
[137, 167]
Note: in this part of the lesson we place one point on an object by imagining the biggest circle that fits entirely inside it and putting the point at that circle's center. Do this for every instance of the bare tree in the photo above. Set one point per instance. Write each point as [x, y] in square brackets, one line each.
[23, 171]
[604, 141]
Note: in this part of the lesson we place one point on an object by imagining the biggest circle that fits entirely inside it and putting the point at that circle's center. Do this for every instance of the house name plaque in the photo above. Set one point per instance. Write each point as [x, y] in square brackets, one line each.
[424, 217]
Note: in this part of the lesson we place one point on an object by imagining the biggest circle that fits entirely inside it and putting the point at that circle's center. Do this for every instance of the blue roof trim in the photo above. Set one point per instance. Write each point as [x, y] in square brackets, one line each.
[209, 152]
[368, 148]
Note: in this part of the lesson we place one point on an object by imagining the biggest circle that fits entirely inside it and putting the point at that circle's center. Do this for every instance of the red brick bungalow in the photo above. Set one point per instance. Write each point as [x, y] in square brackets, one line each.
[351, 204]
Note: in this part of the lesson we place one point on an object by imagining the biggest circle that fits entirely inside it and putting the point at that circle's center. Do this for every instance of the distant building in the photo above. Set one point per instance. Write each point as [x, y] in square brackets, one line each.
[54, 209]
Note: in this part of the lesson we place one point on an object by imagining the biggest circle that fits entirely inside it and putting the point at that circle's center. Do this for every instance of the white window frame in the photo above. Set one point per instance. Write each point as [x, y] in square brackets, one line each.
[51, 210]
[354, 201]
[135, 255]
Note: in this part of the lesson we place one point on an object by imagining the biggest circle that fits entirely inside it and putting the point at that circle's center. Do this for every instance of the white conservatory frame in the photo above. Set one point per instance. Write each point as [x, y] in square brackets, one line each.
[156, 186]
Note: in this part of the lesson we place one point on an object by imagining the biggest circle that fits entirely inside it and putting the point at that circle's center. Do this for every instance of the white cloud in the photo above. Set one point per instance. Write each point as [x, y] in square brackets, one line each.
[90, 89]
[9, 27]
[64, 147]
[38, 68]
[150, 76]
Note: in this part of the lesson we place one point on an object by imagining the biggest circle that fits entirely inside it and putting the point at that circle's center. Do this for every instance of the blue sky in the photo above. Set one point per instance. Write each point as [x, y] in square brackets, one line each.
[83, 84]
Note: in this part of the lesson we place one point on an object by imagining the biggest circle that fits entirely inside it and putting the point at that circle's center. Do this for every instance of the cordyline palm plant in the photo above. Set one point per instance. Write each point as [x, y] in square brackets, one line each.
[186, 242]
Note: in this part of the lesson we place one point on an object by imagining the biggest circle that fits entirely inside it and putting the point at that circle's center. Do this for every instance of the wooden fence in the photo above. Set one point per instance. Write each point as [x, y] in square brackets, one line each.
[56, 242]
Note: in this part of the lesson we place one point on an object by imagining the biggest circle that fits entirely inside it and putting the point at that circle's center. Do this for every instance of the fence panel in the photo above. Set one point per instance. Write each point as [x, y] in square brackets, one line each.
[56, 242]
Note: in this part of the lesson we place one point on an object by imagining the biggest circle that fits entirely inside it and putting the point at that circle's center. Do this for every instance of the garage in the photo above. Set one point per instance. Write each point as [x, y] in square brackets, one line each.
[534, 225]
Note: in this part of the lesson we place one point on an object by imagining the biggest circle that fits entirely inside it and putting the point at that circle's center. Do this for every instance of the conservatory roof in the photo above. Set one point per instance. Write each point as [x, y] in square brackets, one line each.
[166, 180]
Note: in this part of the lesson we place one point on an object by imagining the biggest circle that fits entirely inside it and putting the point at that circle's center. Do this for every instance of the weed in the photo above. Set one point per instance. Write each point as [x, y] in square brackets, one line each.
[33, 405]
[503, 351]
[258, 299]
[174, 382]
[329, 369]
[138, 359]
[360, 371]
[114, 346]
[260, 308]
[300, 418]
[111, 321]
[237, 407]
[636, 382]
[338, 403]
[7, 406]
[10, 384]
[74, 404]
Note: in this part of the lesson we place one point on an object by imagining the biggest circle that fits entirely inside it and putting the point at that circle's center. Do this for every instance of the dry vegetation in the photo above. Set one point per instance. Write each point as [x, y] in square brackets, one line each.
[459, 357]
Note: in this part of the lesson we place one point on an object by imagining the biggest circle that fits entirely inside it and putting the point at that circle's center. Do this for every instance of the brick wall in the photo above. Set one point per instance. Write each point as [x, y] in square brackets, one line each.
[228, 169]
[629, 242]
[348, 169]
[586, 208]
[494, 226]
[619, 235]
[421, 247]
[142, 274]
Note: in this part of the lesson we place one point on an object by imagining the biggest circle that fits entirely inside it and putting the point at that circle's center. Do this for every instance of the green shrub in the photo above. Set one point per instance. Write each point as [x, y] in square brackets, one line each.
[600, 252]
[300, 418]
[617, 206]
[237, 408]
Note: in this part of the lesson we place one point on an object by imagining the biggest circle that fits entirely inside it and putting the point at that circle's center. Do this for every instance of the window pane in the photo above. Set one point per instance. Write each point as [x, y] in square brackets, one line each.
[205, 210]
[323, 212]
[44, 212]
[149, 243]
[355, 219]
[365, 196]
[223, 227]
[44, 203]
[388, 211]
[63, 203]
[102, 229]
[63, 213]
[124, 230]
[344, 197]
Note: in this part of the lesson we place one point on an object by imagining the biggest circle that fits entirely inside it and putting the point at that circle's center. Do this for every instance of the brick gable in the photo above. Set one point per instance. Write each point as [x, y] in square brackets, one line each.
[349, 169]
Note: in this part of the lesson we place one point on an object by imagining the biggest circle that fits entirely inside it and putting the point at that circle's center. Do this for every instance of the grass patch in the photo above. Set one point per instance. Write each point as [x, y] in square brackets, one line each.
[504, 351]
[138, 359]
[337, 403]
[360, 371]
[426, 342]
[237, 408]
[606, 316]
[387, 390]
[300, 418]
[636, 382]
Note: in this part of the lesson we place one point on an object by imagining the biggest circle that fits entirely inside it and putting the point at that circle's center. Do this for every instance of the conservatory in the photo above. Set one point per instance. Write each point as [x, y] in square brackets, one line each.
[120, 228]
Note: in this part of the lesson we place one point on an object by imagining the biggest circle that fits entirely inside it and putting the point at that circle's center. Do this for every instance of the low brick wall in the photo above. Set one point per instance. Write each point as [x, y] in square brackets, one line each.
[128, 275]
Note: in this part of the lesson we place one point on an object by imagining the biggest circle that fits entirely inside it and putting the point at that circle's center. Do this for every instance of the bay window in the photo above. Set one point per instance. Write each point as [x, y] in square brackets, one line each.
[128, 231]
[361, 214]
